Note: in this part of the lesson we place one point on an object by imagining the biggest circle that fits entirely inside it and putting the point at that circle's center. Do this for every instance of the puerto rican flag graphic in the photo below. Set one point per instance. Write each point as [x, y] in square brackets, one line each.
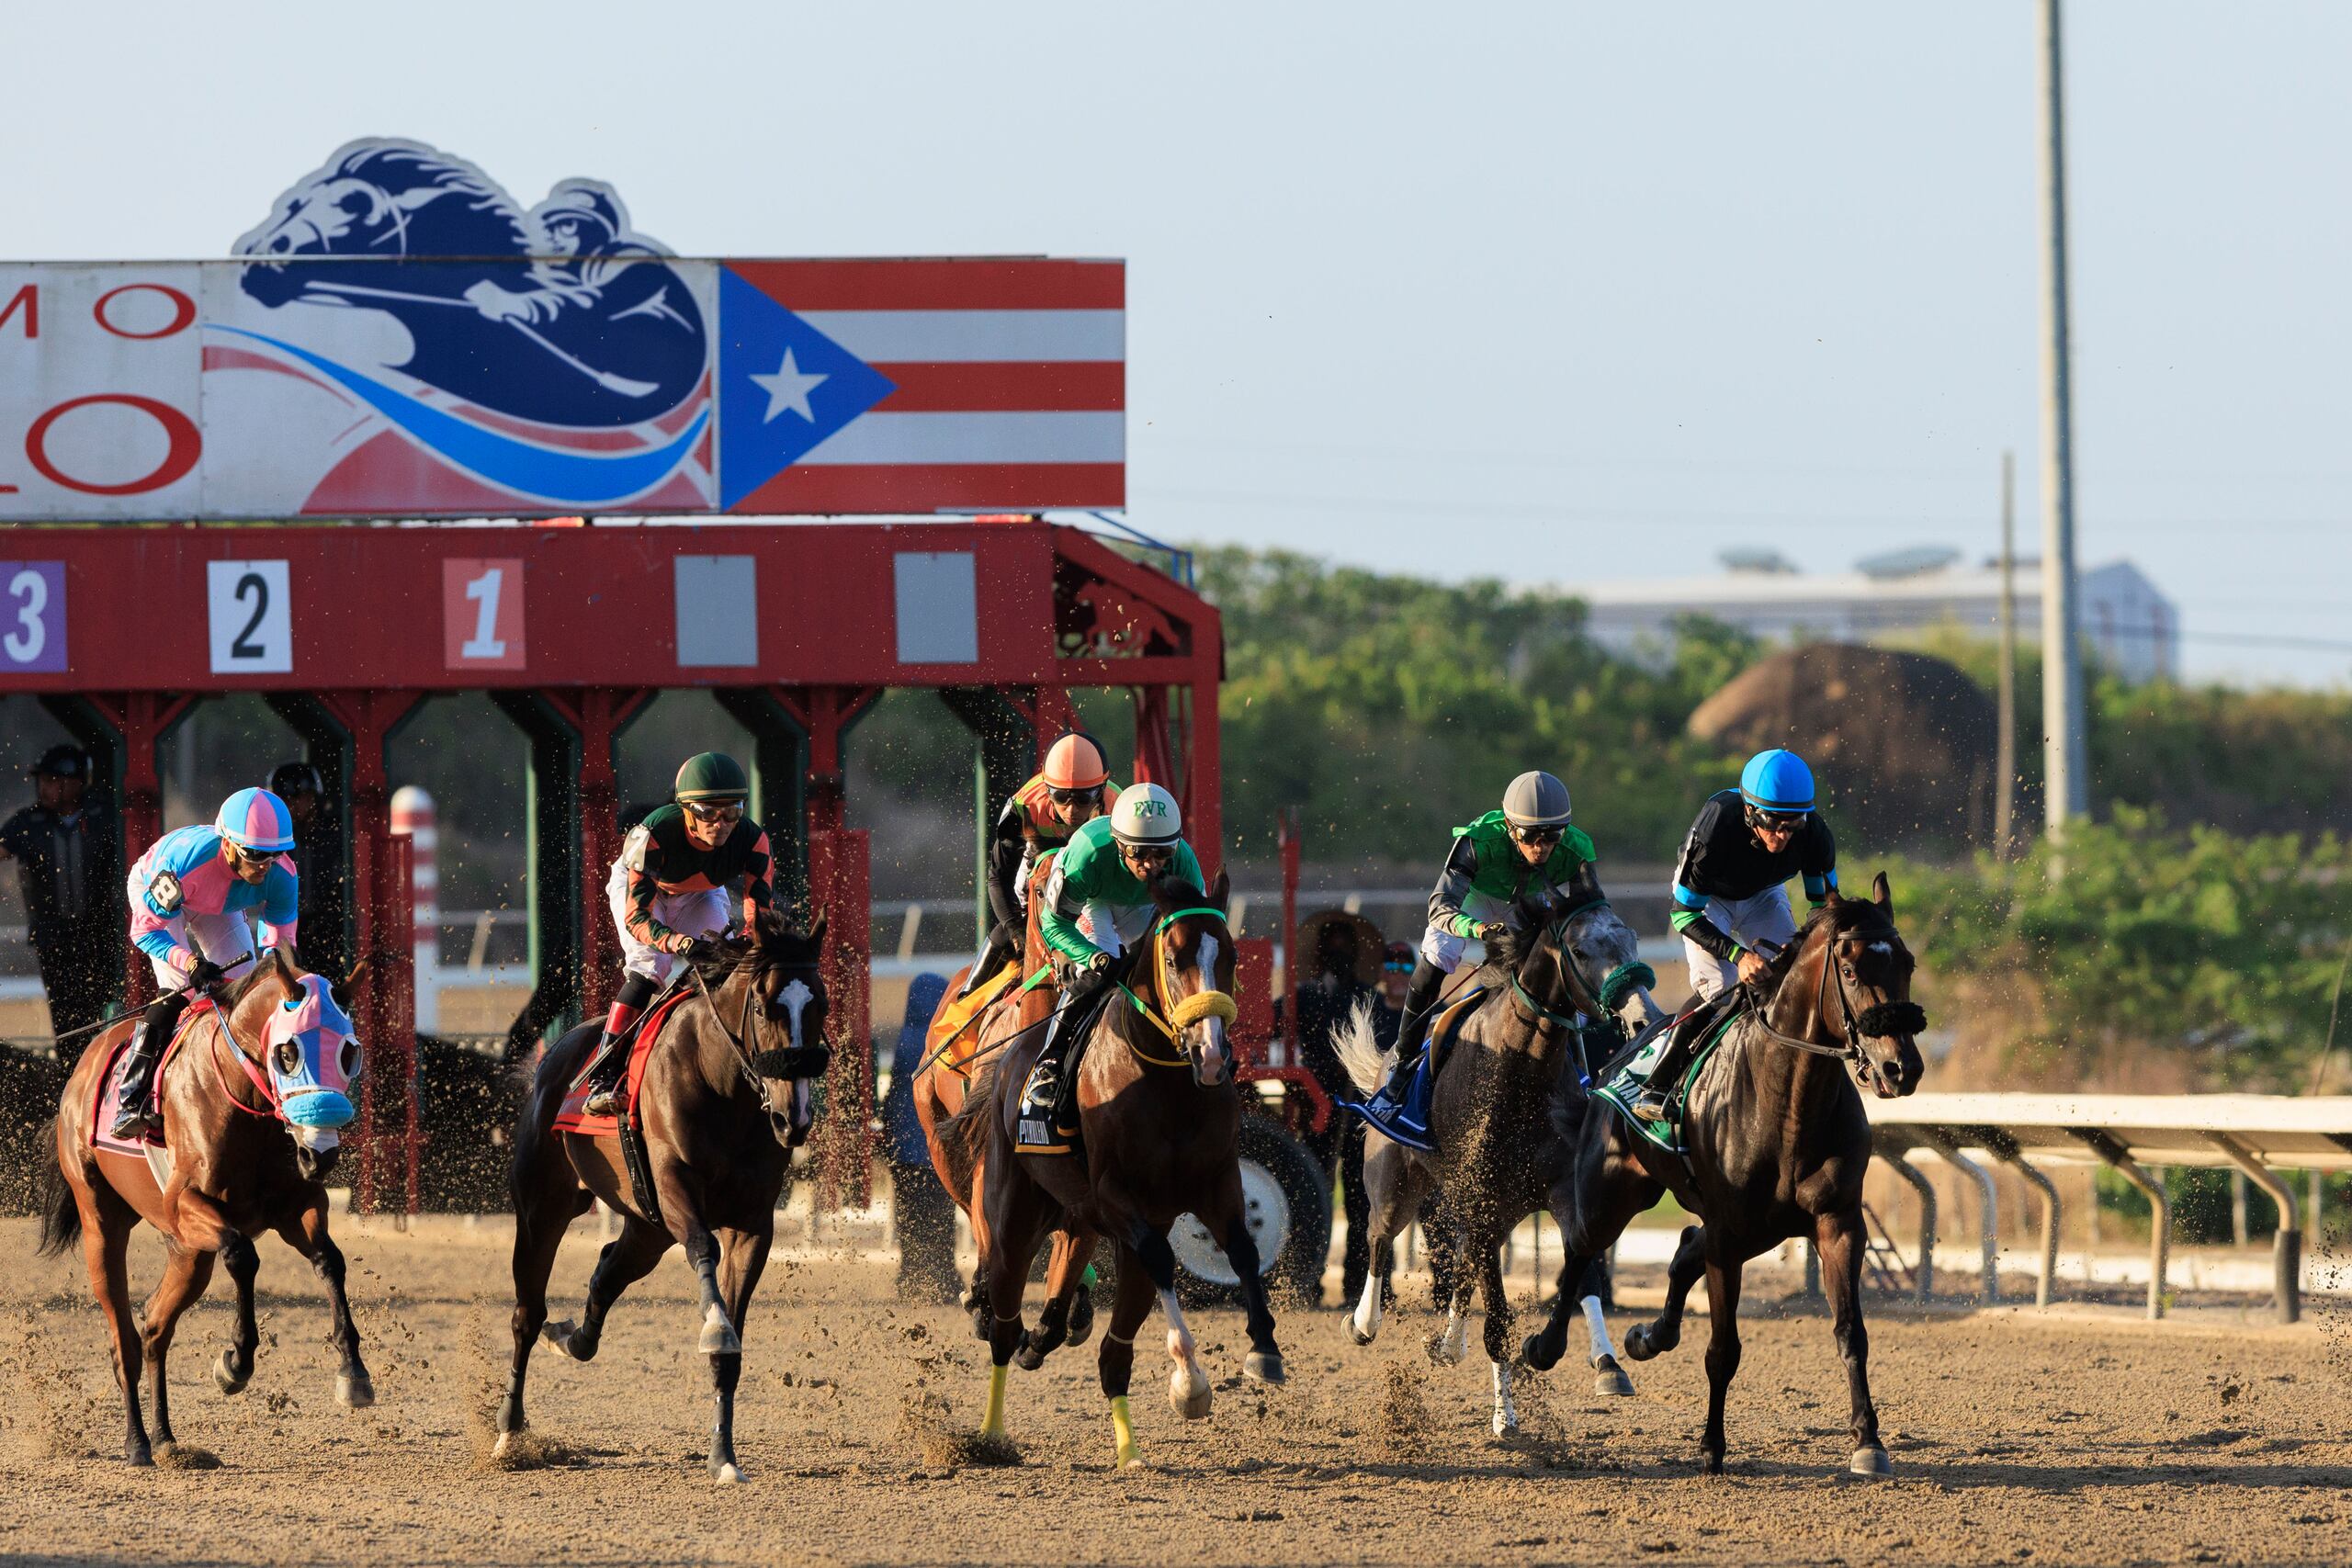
[921, 384]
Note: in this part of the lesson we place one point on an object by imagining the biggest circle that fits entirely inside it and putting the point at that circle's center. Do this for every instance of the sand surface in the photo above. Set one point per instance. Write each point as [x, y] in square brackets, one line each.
[2077, 1434]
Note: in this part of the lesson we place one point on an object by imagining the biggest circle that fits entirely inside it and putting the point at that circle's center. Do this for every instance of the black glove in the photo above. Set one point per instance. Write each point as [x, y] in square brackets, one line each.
[1493, 932]
[702, 949]
[205, 974]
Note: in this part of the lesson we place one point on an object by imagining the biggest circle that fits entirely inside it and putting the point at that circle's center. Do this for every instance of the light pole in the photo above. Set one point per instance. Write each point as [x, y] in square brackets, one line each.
[2065, 782]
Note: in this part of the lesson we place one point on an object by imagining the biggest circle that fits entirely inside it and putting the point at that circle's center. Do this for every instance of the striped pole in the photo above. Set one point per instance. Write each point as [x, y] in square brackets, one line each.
[413, 818]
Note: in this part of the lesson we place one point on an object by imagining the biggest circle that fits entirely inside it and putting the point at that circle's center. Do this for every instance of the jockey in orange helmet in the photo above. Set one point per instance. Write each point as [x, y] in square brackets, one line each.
[1072, 789]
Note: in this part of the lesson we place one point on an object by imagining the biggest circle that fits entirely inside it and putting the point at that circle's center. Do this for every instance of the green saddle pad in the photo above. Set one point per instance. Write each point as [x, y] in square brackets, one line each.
[1624, 1085]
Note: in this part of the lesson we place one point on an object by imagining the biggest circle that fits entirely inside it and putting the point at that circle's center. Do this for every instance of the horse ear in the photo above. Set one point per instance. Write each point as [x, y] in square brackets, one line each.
[1221, 890]
[1883, 893]
[817, 928]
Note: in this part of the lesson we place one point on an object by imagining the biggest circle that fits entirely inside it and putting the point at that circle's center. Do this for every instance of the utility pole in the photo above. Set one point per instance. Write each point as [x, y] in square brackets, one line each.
[2004, 788]
[2065, 782]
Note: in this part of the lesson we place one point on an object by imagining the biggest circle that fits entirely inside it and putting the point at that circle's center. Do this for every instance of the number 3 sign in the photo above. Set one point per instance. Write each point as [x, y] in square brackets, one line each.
[481, 614]
[32, 615]
[252, 619]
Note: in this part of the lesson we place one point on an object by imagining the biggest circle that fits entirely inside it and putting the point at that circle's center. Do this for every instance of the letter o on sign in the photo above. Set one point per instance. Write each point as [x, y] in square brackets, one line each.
[182, 310]
[187, 444]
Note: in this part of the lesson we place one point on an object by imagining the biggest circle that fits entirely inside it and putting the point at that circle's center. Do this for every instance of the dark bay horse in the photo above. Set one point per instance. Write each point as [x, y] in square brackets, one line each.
[723, 1098]
[1159, 1116]
[238, 1166]
[1776, 1146]
[1490, 1111]
[940, 1090]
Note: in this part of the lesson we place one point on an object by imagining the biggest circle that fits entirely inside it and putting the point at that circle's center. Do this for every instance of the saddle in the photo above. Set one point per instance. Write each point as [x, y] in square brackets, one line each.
[1621, 1082]
[102, 1136]
[572, 1118]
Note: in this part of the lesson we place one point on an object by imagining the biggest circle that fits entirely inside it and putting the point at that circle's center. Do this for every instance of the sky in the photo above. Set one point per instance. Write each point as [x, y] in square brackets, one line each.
[1550, 292]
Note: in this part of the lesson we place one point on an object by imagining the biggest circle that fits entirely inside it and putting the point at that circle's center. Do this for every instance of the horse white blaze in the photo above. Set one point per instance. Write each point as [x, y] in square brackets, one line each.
[1368, 1308]
[1215, 1052]
[795, 998]
[1596, 1324]
[1505, 1413]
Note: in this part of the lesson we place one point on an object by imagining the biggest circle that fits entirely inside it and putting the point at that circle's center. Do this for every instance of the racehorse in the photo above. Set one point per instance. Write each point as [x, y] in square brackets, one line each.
[1515, 1045]
[940, 1090]
[1159, 1118]
[723, 1097]
[251, 1109]
[1776, 1146]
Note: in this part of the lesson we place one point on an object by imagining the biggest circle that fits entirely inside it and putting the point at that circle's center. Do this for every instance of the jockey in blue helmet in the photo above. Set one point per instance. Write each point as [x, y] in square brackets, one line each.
[1730, 901]
[188, 897]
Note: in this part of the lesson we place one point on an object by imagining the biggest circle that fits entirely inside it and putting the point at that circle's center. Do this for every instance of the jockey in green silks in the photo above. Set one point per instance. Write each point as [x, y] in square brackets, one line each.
[1528, 848]
[1097, 901]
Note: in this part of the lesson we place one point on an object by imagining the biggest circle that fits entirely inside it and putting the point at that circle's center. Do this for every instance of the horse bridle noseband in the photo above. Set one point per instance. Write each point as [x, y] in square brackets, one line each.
[1206, 1003]
[753, 1061]
[1893, 1018]
[1588, 1005]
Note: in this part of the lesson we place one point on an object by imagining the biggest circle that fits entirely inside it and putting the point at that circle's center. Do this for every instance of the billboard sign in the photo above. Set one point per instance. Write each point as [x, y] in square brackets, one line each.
[401, 338]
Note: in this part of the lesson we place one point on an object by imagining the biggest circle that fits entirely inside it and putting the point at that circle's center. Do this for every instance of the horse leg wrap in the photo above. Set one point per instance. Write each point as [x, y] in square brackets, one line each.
[1122, 1435]
[992, 1424]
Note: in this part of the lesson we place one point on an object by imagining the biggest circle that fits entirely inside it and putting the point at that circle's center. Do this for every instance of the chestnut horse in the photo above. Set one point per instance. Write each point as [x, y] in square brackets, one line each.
[1775, 1144]
[723, 1099]
[238, 1166]
[939, 1092]
[1159, 1118]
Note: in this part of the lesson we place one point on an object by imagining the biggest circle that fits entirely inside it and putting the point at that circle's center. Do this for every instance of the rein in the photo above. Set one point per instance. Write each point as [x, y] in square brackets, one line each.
[275, 1105]
[1207, 1003]
[745, 1057]
[1896, 1018]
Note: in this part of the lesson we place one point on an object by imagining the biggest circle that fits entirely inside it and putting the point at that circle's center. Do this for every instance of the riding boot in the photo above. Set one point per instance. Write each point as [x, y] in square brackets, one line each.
[1392, 1109]
[1047, 1119]
[134, 1119]
[994, 954]
[608, 1066]
[1651, 1105]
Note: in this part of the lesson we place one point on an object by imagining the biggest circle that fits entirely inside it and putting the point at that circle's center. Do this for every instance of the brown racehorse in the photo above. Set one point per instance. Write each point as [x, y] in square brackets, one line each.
[940, 1089]
[1776, 1145]
[1159, 1115]
[723, 1098]
[238, 1168]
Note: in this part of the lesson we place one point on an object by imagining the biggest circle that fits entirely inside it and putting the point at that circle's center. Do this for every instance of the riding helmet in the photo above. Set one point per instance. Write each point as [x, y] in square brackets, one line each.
[255, 819]
[1776, 782]
[1536, 800]
[1145, 816]
[1076, 763]
[712, 775]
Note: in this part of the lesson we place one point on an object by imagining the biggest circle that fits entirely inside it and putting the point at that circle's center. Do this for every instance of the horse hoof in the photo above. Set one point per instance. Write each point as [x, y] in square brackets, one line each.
[1609, 1378]
[1441, 1350]
[719, 1336]
[727, 1475]
[1871, 1462]
[1638, 1347]
[139, 1456]
[1081, 1317]
[1031, 1356]
[1537, 1354]
[354, 1392]
[1710, 1463]
[1264, 1366]
[225, 1374]
[1506, 1424]
[1189, 1397]
[1359, 1333]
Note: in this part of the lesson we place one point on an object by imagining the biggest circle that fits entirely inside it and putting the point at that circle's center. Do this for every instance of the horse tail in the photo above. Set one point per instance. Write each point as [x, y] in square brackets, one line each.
[964, 1136]
[60, 1216]
[1360, 1050]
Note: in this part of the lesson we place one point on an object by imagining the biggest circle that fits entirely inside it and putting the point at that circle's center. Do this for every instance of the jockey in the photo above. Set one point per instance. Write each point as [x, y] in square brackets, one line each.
[1098, 898]
[188, 897]
[1072, 789]
[1527, 848]
[1745, 846]
[669, 896]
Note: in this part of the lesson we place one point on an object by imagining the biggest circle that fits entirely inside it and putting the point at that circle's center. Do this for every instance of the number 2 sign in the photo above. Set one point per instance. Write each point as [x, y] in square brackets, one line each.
[32, 615]
[252, 618]
[482, 613]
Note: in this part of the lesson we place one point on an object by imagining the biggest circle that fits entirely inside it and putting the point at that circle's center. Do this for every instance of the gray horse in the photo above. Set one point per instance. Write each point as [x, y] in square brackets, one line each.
[1499, 1157]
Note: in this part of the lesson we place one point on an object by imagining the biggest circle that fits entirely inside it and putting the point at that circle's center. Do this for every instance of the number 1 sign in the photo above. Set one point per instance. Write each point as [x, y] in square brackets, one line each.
[482, 613]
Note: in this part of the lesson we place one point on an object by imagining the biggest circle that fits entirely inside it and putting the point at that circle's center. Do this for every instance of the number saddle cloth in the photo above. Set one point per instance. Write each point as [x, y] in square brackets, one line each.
[1628, 1072]
[199, 1013]
[572, 1118]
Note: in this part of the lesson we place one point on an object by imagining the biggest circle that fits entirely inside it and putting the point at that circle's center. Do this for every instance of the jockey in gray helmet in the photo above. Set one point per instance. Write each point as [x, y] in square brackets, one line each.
[1528, 848]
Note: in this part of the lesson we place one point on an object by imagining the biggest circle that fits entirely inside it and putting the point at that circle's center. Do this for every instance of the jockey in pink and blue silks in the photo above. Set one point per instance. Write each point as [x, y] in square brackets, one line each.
[188, 897]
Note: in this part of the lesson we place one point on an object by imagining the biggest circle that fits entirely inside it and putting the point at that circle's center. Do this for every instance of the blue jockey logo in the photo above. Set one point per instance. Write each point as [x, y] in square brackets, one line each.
[562, 314]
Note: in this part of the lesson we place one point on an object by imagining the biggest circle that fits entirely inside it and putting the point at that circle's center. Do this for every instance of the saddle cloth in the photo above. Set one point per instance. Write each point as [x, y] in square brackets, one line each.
[571, 1118]
[955, 1014]
[110, 1091]
[1621, 1081]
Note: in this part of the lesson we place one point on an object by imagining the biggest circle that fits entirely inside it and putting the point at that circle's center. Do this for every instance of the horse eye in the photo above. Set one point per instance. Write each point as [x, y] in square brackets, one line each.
[289, 1056]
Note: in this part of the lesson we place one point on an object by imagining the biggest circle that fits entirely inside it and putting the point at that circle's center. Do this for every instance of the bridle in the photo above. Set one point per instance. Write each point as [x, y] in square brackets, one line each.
[759, 1065]
[1617, 984]
[1208, 1002]
[1881, 1019]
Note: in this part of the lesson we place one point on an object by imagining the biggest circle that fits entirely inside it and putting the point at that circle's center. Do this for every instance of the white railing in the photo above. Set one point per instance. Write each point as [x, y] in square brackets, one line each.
[2255, 1133]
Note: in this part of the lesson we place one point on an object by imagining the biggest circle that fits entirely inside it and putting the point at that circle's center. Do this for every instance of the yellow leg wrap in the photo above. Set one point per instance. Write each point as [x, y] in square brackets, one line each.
[1123, 1430]
[993, 1427]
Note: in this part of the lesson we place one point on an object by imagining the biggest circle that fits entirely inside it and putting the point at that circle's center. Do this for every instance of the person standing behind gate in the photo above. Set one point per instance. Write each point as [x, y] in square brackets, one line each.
[67, 847]
[318, 859]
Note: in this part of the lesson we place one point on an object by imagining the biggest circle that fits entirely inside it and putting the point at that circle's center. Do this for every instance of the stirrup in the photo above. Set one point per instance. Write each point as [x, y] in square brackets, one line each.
[603, 1101]
[136, 1125]
[1650, 1104]
[1034, 1124]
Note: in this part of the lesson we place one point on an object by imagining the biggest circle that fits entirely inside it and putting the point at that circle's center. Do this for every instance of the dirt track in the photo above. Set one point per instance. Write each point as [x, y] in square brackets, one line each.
[2076, 1438]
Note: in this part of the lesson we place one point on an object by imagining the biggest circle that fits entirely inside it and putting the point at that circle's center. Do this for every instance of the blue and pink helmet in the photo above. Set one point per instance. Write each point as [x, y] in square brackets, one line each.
[255, 819]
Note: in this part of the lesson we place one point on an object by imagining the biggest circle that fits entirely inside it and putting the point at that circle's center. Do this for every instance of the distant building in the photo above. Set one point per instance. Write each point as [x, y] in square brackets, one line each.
[2130, 626]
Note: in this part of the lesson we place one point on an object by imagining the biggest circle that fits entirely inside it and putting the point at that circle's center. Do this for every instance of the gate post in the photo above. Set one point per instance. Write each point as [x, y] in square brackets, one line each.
[141, 719]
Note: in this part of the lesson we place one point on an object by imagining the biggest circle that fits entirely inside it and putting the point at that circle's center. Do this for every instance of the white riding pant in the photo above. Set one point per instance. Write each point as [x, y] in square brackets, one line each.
[1444, 949]
[703, 913]
[226, 939]
[1765, 918]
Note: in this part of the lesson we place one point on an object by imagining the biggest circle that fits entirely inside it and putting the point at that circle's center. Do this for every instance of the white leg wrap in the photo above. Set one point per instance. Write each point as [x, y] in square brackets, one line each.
[1505, 1413]
[1368, 1308]
[1455, 1343]
[1598, 1324]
